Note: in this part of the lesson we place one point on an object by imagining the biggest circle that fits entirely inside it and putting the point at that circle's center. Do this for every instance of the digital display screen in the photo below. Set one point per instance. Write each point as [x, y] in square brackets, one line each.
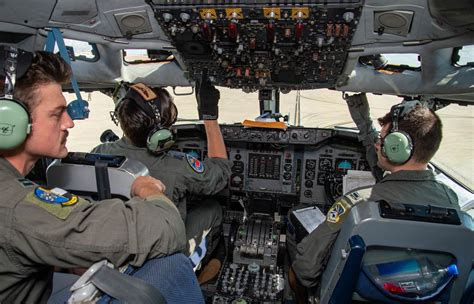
[344, 164]
[265, 166]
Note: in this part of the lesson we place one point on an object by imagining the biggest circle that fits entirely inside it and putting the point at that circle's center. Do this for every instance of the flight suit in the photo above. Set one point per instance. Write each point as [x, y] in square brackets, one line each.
[411, 187]
[183, 175]
[43, 228]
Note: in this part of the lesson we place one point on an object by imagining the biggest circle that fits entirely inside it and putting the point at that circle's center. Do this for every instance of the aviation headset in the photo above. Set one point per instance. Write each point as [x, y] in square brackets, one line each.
[159, 138]
[15, 120]
[397, 146]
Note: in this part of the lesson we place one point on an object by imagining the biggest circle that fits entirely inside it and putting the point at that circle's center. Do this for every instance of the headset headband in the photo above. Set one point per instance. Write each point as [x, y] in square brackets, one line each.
[400, 110]
[146, 99]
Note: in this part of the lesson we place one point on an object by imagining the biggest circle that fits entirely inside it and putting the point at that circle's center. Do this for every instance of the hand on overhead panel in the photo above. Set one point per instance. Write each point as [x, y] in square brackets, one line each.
[360, 112]
[207, 97]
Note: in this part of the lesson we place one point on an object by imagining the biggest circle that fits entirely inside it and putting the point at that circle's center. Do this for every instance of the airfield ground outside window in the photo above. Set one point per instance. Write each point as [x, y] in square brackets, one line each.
[80, 50]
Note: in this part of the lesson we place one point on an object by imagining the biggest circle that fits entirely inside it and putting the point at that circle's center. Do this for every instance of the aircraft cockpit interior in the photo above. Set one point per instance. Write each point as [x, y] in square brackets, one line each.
[276, 51]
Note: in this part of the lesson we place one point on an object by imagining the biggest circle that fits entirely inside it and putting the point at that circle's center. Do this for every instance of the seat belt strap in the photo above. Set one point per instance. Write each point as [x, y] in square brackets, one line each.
[125, 288]
[102, 180]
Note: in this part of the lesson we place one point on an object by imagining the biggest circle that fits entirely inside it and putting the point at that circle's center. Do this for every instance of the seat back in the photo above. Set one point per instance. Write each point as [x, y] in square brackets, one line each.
[387, 237]
[468, 296]
[99, 176]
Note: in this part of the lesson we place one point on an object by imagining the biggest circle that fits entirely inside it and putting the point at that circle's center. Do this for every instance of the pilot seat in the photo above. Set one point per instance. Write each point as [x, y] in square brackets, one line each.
[168, 279]
[401, 253]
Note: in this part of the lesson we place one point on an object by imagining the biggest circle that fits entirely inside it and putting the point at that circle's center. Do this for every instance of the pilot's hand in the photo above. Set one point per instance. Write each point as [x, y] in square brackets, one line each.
[207, 98]
[360, 112]
[145, 186]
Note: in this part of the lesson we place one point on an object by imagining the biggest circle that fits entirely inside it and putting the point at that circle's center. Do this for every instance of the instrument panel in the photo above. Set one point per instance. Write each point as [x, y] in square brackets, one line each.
[272, 171]
[261, 44]
[287, 167]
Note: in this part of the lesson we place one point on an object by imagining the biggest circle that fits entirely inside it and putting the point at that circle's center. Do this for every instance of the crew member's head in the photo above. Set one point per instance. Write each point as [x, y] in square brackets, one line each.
[137, 124]
[39, 92]
[422, 129]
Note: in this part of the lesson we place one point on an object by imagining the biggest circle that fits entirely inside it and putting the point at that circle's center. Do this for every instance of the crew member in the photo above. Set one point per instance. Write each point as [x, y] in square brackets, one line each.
[409, 138]
[145, 115]
[43, 227]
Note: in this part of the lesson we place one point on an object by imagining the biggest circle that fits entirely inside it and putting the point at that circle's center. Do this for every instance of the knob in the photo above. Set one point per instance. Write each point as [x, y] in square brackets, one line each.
[348, 16]
[184, 17]
[167, 17]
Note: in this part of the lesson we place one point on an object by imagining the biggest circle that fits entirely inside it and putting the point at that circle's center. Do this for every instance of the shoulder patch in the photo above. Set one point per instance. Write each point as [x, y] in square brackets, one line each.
[55, 196]
[336, 212]
[195, 164]
[56, 201]
[24, 182]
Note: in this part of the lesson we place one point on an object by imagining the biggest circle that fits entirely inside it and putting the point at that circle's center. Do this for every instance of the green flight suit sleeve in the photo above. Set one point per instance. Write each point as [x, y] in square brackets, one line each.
[121, 232]
[214, 178]
[313, 252]
[360, 112]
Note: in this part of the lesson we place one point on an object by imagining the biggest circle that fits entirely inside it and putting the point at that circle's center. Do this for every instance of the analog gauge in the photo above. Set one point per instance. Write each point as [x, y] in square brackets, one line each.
[325, 164]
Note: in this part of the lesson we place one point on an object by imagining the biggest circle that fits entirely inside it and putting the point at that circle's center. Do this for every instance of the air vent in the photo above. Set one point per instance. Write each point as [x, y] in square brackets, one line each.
[393, 22]
[133, 23]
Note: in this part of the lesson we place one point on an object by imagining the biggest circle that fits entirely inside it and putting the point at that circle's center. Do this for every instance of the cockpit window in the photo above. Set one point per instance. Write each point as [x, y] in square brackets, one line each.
[80, 50]
[135, 56]
[463, 56]
[412, 61]
[392, 62]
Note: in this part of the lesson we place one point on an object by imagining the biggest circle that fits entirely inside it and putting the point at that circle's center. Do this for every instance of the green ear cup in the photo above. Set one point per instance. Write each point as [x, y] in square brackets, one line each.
[14, 124]
[159, 140]
[397, 147]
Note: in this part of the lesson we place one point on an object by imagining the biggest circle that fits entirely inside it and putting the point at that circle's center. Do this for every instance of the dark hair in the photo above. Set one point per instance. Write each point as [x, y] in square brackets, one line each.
[425, 129]
[136, 124]
[44, 69]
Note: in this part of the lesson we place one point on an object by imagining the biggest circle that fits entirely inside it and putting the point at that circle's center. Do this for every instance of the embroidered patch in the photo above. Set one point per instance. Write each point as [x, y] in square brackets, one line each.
[335, 213]
[55, 196]
[196, 164]
[25, 182]
[57, 204]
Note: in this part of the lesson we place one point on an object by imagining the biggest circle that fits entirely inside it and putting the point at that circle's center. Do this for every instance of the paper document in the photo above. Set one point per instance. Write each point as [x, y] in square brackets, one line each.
[356, 179]
[310, 218]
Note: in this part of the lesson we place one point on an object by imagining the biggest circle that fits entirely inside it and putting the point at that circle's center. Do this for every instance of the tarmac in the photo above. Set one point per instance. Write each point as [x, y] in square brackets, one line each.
[318, 108]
